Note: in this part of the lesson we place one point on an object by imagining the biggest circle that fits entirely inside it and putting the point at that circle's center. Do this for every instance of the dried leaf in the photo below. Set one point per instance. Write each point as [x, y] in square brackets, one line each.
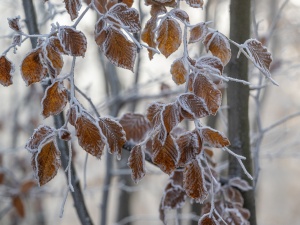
[14, 23]
[100, 33]
[127, 17]
[40, 136]
[6, 70]
[170, 116]
[18, 205]
[189, 145]
[198, 32]
[136, 162]
[32, 68]
[64, 134]
[233, 196]
[129, 3]
[208, 91]
[211, 64]
[89, 136]
[54, 100]
[53, 59]
[73, 7]
[219, 46]
[157, 10]
[135, 126]
[206, 220]
[181, 15]
[169, 3]
[193, 181]
[27, 185]
[260, 55]
[148, 36]
[154, 113]
[119, 50]
[55, 44]
[214, 138]
[114, 133]
[193, 105]
[240, 184]
[179, 71]
[173, 198]
[176, 178]
[169, 36]
[165, 155]
[195, 3]
[73, 41]
[46, 162]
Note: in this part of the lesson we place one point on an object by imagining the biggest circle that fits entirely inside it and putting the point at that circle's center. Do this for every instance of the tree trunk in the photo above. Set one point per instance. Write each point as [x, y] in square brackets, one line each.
[238, 97]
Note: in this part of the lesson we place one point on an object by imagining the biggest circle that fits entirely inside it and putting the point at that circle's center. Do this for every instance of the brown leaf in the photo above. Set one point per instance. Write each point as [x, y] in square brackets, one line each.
[157, 10]
[46, 162]
[55, 44]
[195, 3]
[208, 91]
[169, 36]
[193, 105]
[173, 198]
[206, 220]
[136, 162]
[233, 196]
[135, 126]
[14, 23]
[189, 145]
[100, 5]
[2, 176]
[219, 46]
[89, 136]
[169, 3]
[127, 17]
[154, 113]
[176, 178]
[129, 3]
[73, 7]
[211, 64]
[165, 155]
[73, 41]
[179, 71]
[32, 68]
[193, 181]
[54, 100]
[260, 55]
[27, 185]
[170, 116]
[181, 15]
[18, 205]
[148, 36]
[6, 70]
[198, 32]
[214, 138]
[115, 135]
[100, 33]
[53, 59]
[119, 50]
[40, 136]
[64, 134]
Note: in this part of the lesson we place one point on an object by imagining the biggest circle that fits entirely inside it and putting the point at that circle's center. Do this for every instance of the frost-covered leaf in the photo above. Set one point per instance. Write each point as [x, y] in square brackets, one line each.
[208, 91]
[100, 33]
[173, 198]
[6, 70]
[73, 41]
[148, 36]
[114, 133]
[40, 135]
[55, 99]
[170, 116]
[240, 184]
[127, 17]
[193, 106]
[195, 3]
[189, 145]
[206, 220]
[181, 15]
[211, 64]
[219, 46]
[193, 181]
[53, 59]
[233, 196]
[73, 7]
[56, 45]
[135, 126]
[214, 138]
[157, 10]
[165, 155]
[136, 162]
[169, 36]
[32, 68]
[46, 162]
[18, 205]
[179, 71]
[176, 178]
[154, 113]
[64, 134]
[14, 23]
[89, 136]
[198, 32]
[119, 50]
[169, 3]
[261, 57]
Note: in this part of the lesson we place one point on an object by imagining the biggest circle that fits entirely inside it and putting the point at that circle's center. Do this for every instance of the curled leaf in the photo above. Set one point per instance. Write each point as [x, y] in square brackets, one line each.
[14, 23]
[73, 7]
[214, 138]
[6, 70]
[148, 36]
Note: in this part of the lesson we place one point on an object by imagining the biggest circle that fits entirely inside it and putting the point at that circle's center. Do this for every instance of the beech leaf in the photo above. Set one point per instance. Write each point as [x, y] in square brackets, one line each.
[179, 71]
[219, 46]
[169, 36]
[148, 36]
[32, 68]
[53, 59]
[14, 23]
[198, 32]
[181, 15]
[214, 138]
[206, 220]
[136, 162]
[6, 70]
[195, 3]
[55, 99]
[173, 198]
[170, 116]
[73, 7]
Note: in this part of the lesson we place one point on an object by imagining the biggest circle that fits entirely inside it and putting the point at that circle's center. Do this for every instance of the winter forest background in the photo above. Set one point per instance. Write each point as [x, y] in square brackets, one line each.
[277, 110]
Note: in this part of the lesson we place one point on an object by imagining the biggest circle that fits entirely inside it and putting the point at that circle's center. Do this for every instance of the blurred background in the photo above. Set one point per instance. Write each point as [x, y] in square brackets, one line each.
[276, 23]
